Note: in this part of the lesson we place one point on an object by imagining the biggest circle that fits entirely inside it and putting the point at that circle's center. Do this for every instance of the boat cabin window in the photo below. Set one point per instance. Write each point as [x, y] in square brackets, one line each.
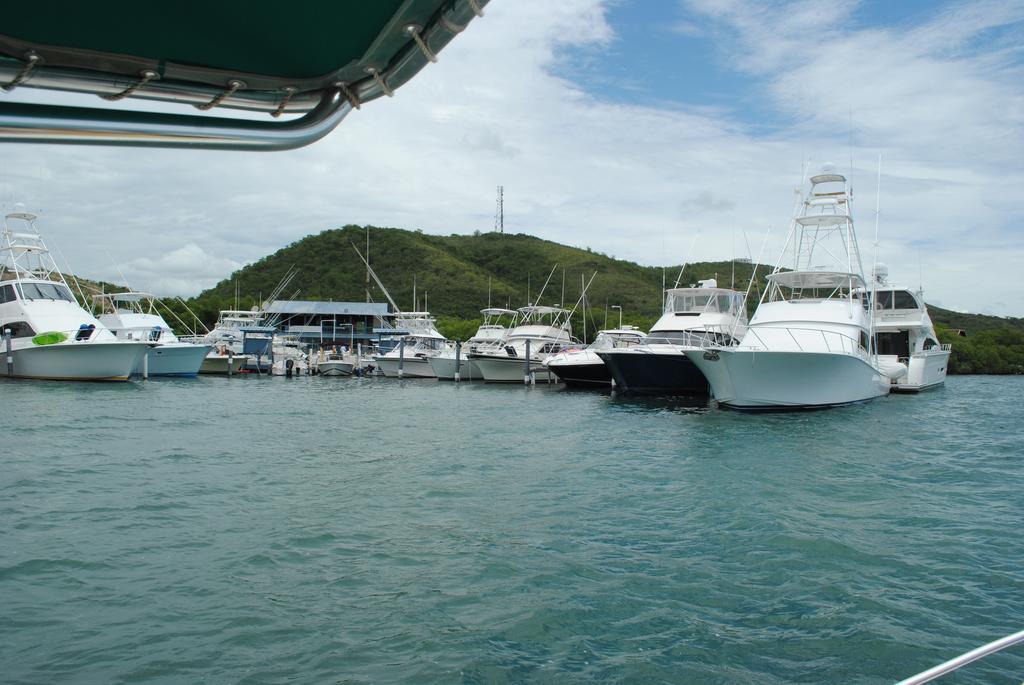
[550, 348]
[892, 299]
[7, 294]
[18, 329]
[45, 291]
[902, 299]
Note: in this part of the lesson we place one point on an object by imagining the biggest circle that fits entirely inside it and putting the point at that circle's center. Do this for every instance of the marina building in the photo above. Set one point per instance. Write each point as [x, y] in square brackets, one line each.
[329, 324]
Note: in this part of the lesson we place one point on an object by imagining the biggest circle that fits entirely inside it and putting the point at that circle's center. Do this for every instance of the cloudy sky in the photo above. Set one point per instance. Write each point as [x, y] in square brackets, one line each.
[627, 126]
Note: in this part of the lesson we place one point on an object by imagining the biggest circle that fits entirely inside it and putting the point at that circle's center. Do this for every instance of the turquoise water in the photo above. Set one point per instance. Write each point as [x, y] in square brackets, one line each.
[320, 530]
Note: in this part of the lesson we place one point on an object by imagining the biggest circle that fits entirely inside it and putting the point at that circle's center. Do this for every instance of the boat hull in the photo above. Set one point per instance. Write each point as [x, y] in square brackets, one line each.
[335, 368]
[217, 364]
[444, 368]
[925, 371]
[748, 379]
[113, 361]
[594, 374]
[511, 370]
[655, 373]
[174, 359]
[412, 367]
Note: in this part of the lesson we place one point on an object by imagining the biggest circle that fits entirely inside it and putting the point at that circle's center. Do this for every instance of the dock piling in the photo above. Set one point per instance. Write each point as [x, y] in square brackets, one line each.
[10, 354]
[458, 360]
[526, 365]
[401, 357]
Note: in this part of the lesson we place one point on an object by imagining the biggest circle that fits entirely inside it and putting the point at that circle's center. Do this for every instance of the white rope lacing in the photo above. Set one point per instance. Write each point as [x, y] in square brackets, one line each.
[289, 91]
[475, 6]
[147, 76]
[31, 59]
[414, 31]
[375, 73]
[233, 86]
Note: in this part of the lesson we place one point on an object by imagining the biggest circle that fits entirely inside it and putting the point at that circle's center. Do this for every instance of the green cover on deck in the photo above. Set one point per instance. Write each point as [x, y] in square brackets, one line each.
[51, 338]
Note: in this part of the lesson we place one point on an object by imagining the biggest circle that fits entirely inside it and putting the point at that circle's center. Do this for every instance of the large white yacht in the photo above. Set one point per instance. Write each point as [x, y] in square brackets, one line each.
[808, 343]
[51, 335]
[908, 347]
[421, 339]
[133, 316]
[692, 318]
[583, 367]
[488, 336]
[547, 329]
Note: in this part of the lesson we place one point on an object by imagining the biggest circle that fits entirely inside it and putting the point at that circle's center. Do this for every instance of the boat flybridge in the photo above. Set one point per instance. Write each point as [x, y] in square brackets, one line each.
[417, 339]
[808, 344]
[583, 367]
[692, 318]
[50, 335]
[133, 316]
[544, 330]
[908, 347]
[489, 336]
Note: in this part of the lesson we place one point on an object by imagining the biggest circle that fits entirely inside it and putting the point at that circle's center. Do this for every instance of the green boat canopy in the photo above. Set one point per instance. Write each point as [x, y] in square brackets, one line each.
[315, 60]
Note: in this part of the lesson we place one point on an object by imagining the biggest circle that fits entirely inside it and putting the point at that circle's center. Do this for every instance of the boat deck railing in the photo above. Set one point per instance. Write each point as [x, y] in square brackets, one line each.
[841, 343]
[964, 659]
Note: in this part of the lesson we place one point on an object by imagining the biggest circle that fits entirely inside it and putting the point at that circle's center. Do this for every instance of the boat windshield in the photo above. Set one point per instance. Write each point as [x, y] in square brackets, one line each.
[45, 291]
[608, 341]
[696, 301]
[694, 338]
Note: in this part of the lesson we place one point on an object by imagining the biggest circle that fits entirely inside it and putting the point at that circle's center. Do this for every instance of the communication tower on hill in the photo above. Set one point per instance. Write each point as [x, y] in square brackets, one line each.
[499, 212]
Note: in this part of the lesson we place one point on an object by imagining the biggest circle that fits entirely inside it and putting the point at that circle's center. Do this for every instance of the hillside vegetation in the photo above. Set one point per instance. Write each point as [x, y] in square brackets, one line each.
[453, 275]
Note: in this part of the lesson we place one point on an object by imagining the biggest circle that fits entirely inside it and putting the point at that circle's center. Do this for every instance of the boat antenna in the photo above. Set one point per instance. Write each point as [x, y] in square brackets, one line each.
[583, 289]
[687, 260]
[561, 302]
[753, 277]
[874, 264]
[376, 280]
[118, 267]
[541, 294]
[367, 262]
[488, 291]
[74, 278]
[189, 310]
[415, 302]
[732, 282]
[174, 314]
[582, 296]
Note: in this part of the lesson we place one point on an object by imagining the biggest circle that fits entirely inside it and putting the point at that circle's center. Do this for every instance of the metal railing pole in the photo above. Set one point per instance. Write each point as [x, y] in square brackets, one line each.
[964, 659]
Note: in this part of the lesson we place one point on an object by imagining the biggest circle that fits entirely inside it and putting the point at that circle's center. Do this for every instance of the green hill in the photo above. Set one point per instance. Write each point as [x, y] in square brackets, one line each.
[452, 275]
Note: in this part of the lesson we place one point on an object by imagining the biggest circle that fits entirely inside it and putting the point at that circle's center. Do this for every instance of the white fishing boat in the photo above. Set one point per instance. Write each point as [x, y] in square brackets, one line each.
[489, 335]
[908, 347]
[692, 318]
[228, 331]
[47, 334]
[544, 330]
[133, 316]
[415, 339]
[583, 367]
[333, 363]
[222, 361]
[808, 344]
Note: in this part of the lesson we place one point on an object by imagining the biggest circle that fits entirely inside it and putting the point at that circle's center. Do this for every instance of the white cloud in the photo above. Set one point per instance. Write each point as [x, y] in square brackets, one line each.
[634, 181]
[179, 272]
